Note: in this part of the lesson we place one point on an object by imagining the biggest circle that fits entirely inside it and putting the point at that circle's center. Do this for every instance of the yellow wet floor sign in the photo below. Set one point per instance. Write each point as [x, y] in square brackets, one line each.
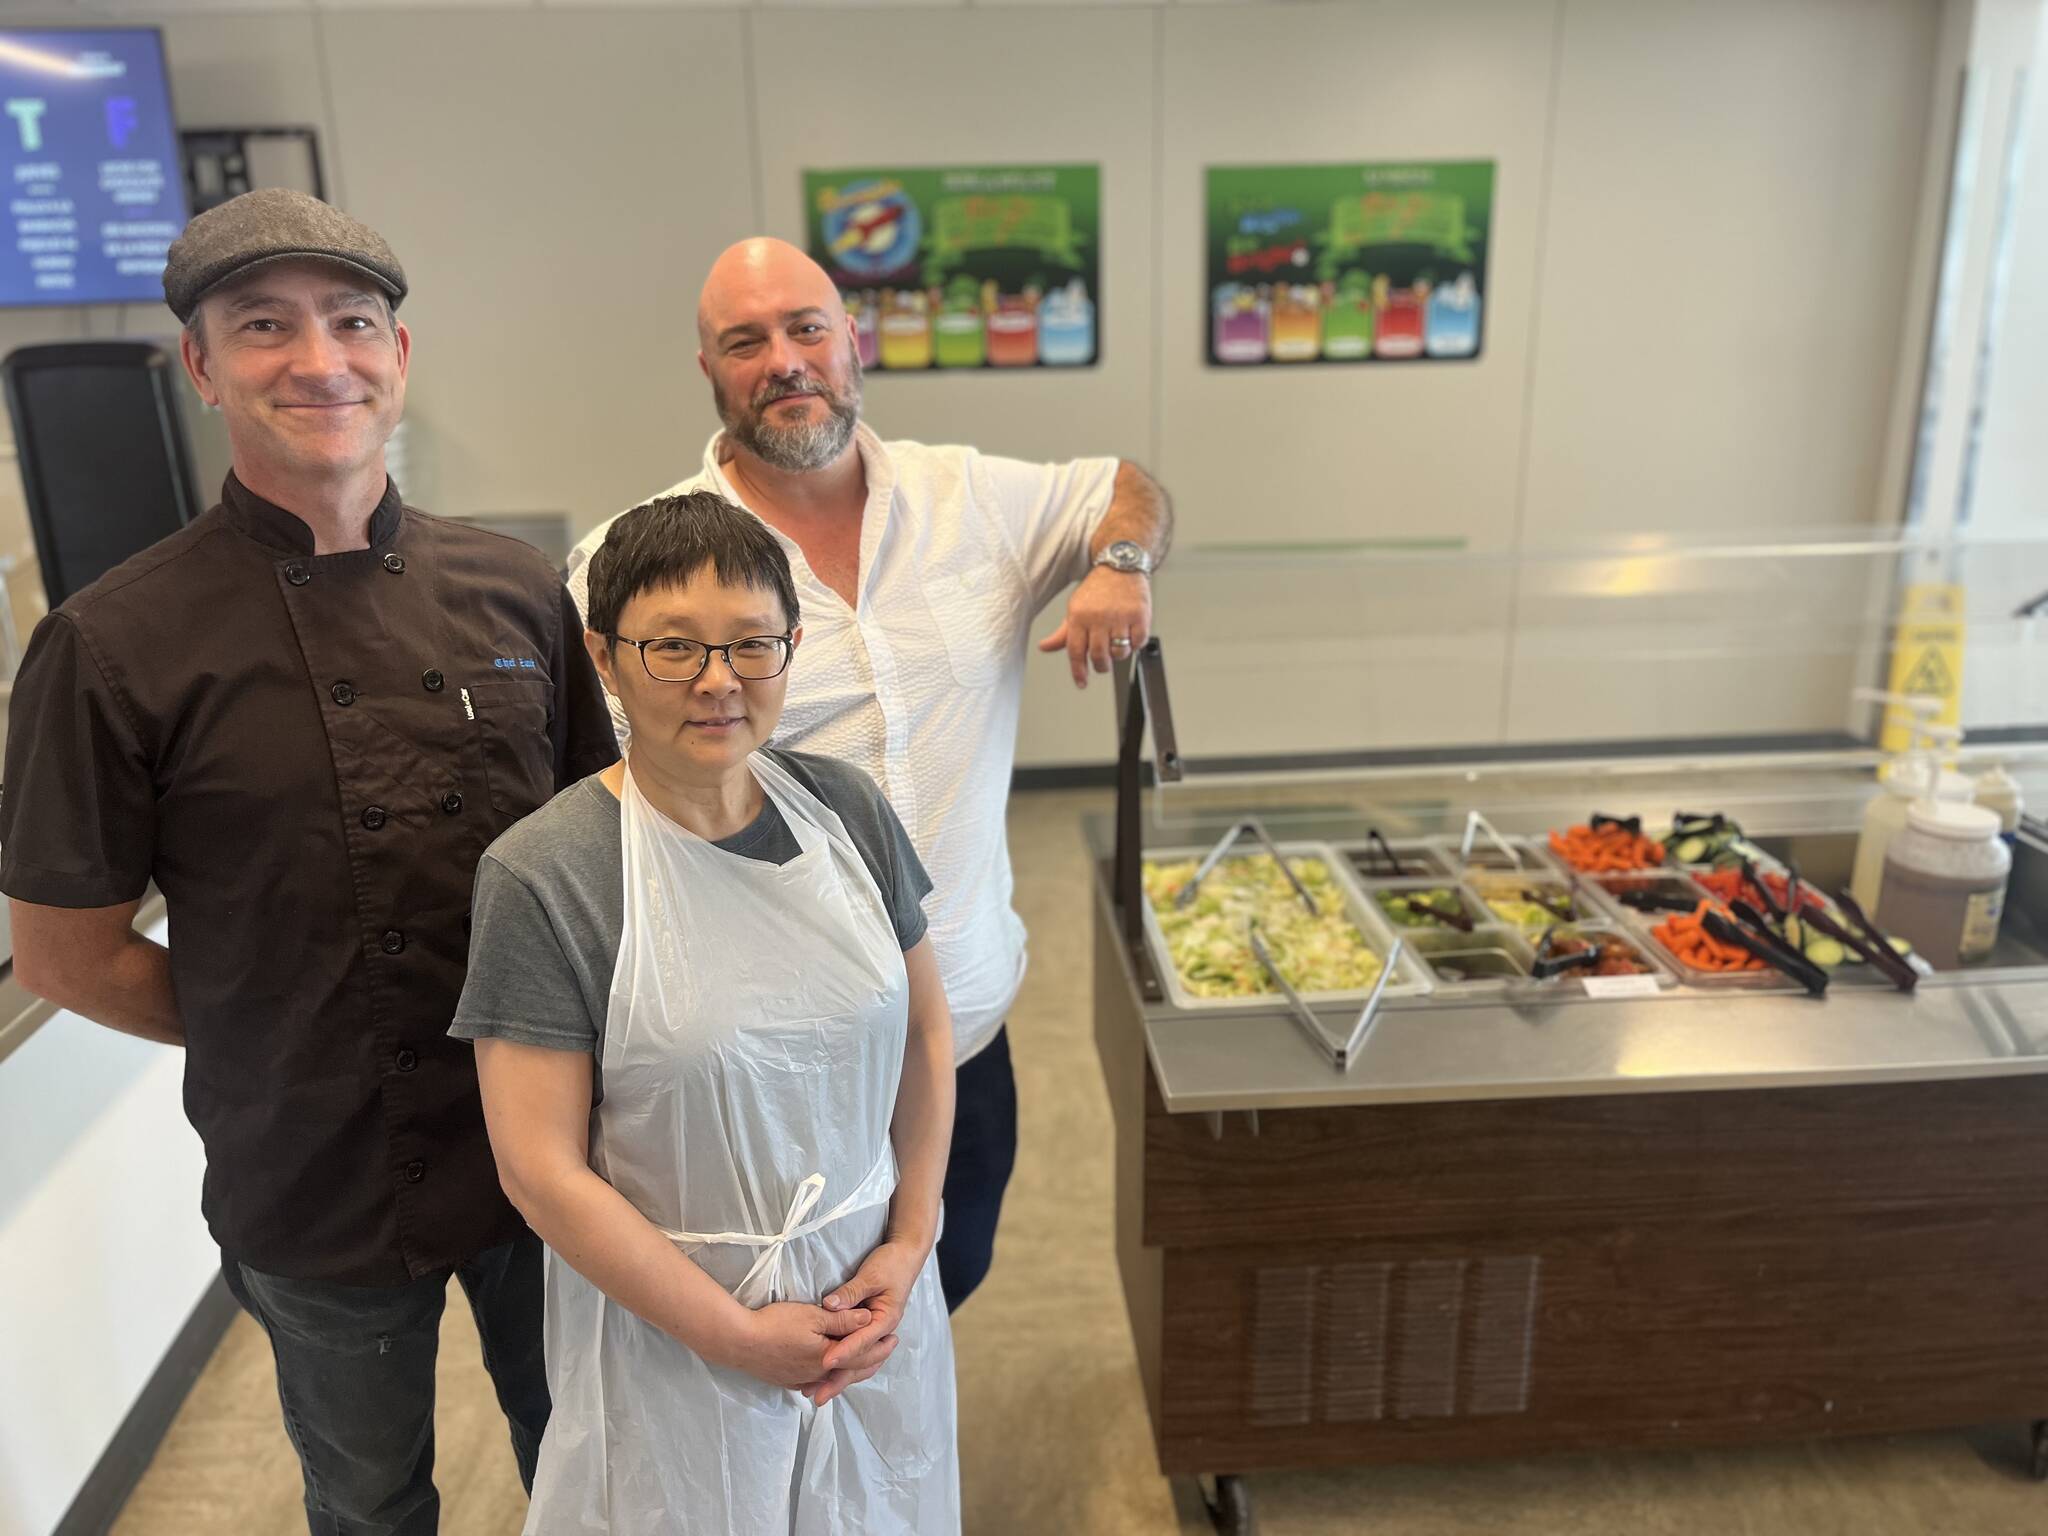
[1927, 655]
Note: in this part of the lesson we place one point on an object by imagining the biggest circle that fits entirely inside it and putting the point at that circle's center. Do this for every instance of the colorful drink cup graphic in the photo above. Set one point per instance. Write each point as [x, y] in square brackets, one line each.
[959, 339]
[906, 329]
[1451, 319]
[863, 308]
[1066, 327]
[1013, 331]
[1297, 322]
[1400, 325]
[1238, 324]
[1347, 322]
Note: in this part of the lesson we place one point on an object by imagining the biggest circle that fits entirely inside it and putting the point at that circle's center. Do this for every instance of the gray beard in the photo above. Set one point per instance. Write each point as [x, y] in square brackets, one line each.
[805, 446]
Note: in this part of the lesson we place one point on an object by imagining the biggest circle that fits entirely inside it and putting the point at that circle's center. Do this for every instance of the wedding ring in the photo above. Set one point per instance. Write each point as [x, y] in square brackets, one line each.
[1121, 642]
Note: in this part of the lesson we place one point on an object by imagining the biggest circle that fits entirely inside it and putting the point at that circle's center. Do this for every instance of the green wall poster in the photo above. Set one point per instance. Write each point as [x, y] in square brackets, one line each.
[976, 267]
[1347, 263]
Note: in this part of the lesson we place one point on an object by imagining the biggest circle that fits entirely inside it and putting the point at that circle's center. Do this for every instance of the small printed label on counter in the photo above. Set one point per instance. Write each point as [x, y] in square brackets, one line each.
[1621, 986]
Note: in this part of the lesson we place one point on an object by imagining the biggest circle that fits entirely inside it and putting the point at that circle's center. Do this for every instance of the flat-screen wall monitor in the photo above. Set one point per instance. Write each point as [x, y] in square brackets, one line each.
[94, 191]
[104, 461]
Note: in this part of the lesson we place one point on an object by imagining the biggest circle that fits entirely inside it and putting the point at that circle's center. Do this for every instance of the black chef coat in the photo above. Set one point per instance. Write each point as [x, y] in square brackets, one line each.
[307, 754]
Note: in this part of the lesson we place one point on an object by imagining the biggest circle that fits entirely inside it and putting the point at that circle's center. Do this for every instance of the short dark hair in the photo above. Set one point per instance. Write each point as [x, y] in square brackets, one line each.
[666, 541]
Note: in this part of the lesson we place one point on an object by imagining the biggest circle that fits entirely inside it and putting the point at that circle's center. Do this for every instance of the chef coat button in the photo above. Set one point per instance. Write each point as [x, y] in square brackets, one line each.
[343, 694]
[407, 1059]
[394, 563]
[394, 941]
[374, 817]
[415, 1171]
[431, 679]
[451, 802]
[297, 574]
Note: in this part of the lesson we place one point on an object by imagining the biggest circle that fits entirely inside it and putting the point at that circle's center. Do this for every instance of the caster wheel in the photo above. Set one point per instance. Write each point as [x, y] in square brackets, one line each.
[1229, 1504]
[2037, 1464]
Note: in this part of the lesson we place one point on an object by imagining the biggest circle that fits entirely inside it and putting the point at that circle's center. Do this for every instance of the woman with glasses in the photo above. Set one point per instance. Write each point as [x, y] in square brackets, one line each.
[717, 1067]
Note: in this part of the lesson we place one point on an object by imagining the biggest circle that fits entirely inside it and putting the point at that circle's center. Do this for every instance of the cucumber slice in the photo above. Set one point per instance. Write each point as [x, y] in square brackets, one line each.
[1692, 851]
[1826, 953]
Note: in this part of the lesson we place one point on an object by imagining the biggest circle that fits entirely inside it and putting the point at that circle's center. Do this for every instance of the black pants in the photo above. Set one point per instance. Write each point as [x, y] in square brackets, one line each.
[978, 1171]
[355, 1375]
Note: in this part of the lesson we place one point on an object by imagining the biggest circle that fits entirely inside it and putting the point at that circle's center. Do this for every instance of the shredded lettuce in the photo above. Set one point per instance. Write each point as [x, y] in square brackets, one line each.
[1207, 939]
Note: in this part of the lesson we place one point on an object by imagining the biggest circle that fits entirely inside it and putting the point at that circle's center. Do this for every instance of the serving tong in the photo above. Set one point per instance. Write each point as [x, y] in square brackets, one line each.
[1568, 913]
[1867, 940]
[1458, 920]
[1342, 1056]
[1548, 964]
[1474, 825]
[1656, 901]
[1747, 928]
[1254, 827]
[1372, 836]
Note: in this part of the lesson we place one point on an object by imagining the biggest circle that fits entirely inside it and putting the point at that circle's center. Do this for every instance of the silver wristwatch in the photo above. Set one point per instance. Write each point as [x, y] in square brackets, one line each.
[1126, 555]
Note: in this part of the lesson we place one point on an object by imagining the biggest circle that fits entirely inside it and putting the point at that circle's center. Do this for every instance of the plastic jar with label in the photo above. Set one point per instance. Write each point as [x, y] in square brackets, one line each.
[1944, 882]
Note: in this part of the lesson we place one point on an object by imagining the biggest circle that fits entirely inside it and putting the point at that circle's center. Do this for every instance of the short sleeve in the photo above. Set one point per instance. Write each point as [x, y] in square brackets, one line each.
[584, 739]
[907, 884]
[521, 984]
[578, 586]
[78, 815]
[1048, 511]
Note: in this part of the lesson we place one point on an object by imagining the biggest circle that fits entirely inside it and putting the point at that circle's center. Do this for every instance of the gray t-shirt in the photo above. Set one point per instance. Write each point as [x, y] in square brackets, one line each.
[550, 904]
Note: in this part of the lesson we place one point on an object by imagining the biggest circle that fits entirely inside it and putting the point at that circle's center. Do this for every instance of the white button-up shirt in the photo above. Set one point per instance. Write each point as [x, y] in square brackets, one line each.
[920, 683]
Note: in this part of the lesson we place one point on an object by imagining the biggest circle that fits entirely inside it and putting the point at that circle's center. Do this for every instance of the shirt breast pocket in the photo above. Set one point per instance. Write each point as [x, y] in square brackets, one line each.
[519, 755]
[976, 612]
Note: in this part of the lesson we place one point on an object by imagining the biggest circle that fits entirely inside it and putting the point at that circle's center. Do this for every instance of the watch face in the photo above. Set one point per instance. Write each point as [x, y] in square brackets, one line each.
[1125, 555]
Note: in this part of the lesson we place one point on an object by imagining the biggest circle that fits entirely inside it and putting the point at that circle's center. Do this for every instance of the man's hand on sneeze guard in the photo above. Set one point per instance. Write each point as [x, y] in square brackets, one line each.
[1109, 618]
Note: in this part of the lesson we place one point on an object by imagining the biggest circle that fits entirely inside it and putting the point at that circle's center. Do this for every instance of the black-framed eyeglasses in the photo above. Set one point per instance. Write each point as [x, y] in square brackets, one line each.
[673, 659]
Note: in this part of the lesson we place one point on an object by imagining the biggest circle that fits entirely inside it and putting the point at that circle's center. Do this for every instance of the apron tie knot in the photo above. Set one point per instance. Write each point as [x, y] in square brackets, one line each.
[768, 1267]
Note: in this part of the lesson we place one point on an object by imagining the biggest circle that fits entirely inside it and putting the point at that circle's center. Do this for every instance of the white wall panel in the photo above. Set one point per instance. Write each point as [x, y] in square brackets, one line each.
[983, 87]
[556, 184]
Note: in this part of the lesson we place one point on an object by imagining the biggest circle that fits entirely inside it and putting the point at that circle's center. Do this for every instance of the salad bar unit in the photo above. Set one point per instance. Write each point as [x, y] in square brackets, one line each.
[1431, 1146]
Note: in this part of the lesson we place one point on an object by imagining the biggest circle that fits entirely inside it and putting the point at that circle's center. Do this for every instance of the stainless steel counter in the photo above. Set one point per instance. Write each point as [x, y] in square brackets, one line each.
[1972, 1024]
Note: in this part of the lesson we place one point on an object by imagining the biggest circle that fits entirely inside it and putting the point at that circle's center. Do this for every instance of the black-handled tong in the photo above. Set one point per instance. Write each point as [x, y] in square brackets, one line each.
[1656, 901]
[1373, 837]
[1626, 823]
[1868, 941]
[1766, 946]
[1546, 964]
[1763, 890]
[1457, 920]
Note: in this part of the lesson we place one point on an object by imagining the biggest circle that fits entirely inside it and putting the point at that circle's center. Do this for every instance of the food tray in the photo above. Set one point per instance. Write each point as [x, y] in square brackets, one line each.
[1573, 983]
[1436, 946]
[1438, 949]
[1637, 925]
[1383, 891]
[1419, 861]
[1410, 978]
[1485, 856]
[1492, 885]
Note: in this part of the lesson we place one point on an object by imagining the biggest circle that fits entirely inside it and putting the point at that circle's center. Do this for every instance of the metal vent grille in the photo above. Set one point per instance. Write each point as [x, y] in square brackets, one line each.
[1351, 1343]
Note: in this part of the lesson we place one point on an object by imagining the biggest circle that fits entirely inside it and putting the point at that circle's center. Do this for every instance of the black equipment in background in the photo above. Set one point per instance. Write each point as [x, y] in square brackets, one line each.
[105, 463]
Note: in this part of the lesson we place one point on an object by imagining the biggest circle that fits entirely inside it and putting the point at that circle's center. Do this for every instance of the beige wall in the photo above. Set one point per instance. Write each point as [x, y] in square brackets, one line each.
[1699, 264]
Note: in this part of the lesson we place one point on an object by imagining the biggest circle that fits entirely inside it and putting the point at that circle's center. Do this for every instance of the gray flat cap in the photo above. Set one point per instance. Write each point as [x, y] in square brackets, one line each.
[272, 224]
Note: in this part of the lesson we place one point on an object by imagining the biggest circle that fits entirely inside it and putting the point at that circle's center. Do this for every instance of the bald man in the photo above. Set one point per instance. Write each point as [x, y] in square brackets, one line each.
[920, 571]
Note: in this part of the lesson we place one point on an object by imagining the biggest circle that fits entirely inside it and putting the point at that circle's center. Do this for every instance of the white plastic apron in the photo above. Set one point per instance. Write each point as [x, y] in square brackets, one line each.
[750, 1064]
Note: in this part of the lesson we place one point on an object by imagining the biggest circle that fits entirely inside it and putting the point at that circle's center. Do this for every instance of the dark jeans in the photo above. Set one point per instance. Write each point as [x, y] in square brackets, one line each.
[978, 1171]
[355, 1374]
